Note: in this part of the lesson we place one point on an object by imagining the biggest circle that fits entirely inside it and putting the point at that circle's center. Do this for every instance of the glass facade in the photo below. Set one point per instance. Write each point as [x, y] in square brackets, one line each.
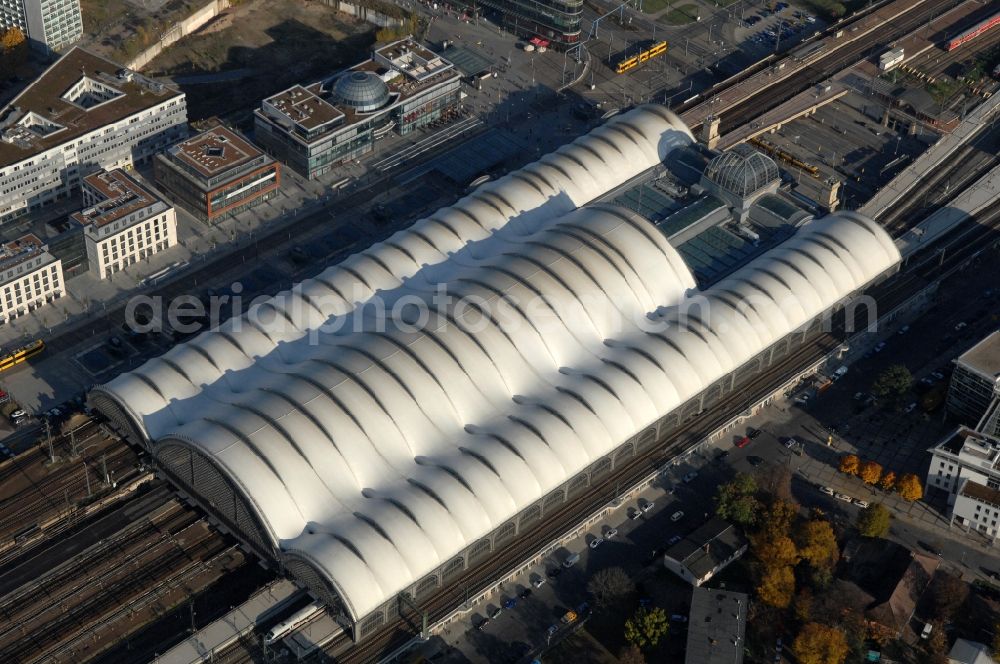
[555, 20]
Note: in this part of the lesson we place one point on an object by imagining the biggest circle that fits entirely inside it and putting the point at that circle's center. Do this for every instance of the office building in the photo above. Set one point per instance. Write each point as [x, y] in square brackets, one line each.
[29, 277]
[964, 454]
[313, 128]
[123, 223]
[49, 25]
[716, 628]
[975, 381]
[217, 173]
[84, 114]
[554, 21]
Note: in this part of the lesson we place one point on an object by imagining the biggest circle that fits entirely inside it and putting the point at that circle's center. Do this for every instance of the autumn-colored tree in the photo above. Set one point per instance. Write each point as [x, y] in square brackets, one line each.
[631, 655]
[776, 551]
[873, 521]
[888, 481]
[13, 50]
[936, 645]
[818, 544]
[777, 587]
[909, 487]
[737, 500]
[820, 644]
[778, 518]
[850, 464]
[646, 627]
[870, 472]
[802, 606]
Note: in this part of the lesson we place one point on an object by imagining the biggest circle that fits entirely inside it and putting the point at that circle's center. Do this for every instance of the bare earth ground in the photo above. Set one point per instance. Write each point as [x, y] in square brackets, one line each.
[121, 29]
[267, 46]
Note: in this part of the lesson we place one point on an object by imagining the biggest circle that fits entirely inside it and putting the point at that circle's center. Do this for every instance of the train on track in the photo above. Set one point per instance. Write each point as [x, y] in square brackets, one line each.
[975, 31]
[786, 157]
[21, 354]
[653, 51]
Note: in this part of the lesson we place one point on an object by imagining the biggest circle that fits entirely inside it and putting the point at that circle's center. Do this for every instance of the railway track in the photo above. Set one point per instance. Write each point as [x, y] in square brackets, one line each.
[864, 47]
[984, 230]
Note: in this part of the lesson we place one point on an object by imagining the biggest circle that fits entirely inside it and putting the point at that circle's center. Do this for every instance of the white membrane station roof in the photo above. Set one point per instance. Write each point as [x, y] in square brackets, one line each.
[375, 451]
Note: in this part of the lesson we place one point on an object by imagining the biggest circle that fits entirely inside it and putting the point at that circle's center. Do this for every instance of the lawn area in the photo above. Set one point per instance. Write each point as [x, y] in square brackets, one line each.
[681, 15]
[654, 6]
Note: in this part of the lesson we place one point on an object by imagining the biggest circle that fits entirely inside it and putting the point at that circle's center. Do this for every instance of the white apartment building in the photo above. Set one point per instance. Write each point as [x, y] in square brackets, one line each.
[84, 114]
[965, 454]
[49, 25]
[123, 223]
[29, 277]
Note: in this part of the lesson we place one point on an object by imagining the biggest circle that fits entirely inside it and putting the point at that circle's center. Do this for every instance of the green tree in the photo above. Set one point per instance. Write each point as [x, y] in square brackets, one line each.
[647, 627]
[737, 500]
[610, 586]
[820, 644]
[893, 383]
[873, 521]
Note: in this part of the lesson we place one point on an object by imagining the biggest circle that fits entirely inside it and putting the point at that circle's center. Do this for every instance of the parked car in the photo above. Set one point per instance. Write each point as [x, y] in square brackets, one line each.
[844, 497]
[553, 573]
[722, 456]
[678, 618]
[859, 396]
[755, 460]
[525, 594]
[861, 503]
[912, 406]
[677, 516]
[961, 326]
[510, 603]
[904, 329]
[753, 433]
[790, 443]
[674, 540]
[540, 581]
[610, 533]
[827, 490]
[690, 476]
[879, 347]
[646, 505]
[596, 542]
[18, 413]
[743, 442]
[633, 513]
[482, 624]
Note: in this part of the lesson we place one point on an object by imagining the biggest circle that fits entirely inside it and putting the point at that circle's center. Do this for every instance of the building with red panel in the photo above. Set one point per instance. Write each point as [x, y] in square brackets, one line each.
[217, 173]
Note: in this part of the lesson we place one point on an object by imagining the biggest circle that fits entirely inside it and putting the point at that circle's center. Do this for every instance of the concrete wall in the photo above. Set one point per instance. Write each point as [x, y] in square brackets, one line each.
[179, 30]
[365, 13]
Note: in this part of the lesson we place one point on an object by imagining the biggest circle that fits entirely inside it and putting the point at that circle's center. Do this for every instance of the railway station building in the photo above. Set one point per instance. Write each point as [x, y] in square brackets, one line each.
[123, 222]
[30, 277]
[313, 128]
[217, 174]
[395, 458]
[83, 114]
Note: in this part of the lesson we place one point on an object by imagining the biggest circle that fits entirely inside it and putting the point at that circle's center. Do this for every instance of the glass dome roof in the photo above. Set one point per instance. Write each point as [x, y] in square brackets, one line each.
[361, 90]
[742, 170]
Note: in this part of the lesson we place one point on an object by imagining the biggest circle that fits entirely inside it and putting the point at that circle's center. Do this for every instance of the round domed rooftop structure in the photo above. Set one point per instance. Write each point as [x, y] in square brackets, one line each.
[742, 170]
[361, 90]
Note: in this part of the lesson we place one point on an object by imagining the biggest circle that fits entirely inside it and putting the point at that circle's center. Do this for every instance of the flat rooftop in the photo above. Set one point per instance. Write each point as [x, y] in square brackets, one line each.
[22, 249]
[305, 107]
[215, 151]
[121, 197]
[81, 92]
[983, 494]
[716, 627]
[984, 357]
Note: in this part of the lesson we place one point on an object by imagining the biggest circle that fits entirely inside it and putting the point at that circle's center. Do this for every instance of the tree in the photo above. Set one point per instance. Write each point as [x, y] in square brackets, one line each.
[13, 50]
[610, 586]
[818, 544]
[631, 655]
[774, 551]
[850, 464]
[803, 604]
[936, 645]
[873, 521]
[893, 383]
[777, 481]
[777, 587]
[778, 518]
[647, 627]
[737, 500]
[871, 472]
[950, 592]
[819, 644]
[888, 481]
[996, 641]
[909, 487]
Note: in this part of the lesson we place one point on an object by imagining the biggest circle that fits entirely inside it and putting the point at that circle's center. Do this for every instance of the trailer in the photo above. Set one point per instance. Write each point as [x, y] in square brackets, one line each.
[891, 59]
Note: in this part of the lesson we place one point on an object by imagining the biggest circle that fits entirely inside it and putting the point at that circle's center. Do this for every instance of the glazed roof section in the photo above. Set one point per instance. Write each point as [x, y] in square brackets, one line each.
[121, 197]
[46, 98]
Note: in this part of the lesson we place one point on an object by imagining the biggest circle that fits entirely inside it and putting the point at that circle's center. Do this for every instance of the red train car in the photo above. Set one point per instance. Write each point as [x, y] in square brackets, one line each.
[973, 32]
